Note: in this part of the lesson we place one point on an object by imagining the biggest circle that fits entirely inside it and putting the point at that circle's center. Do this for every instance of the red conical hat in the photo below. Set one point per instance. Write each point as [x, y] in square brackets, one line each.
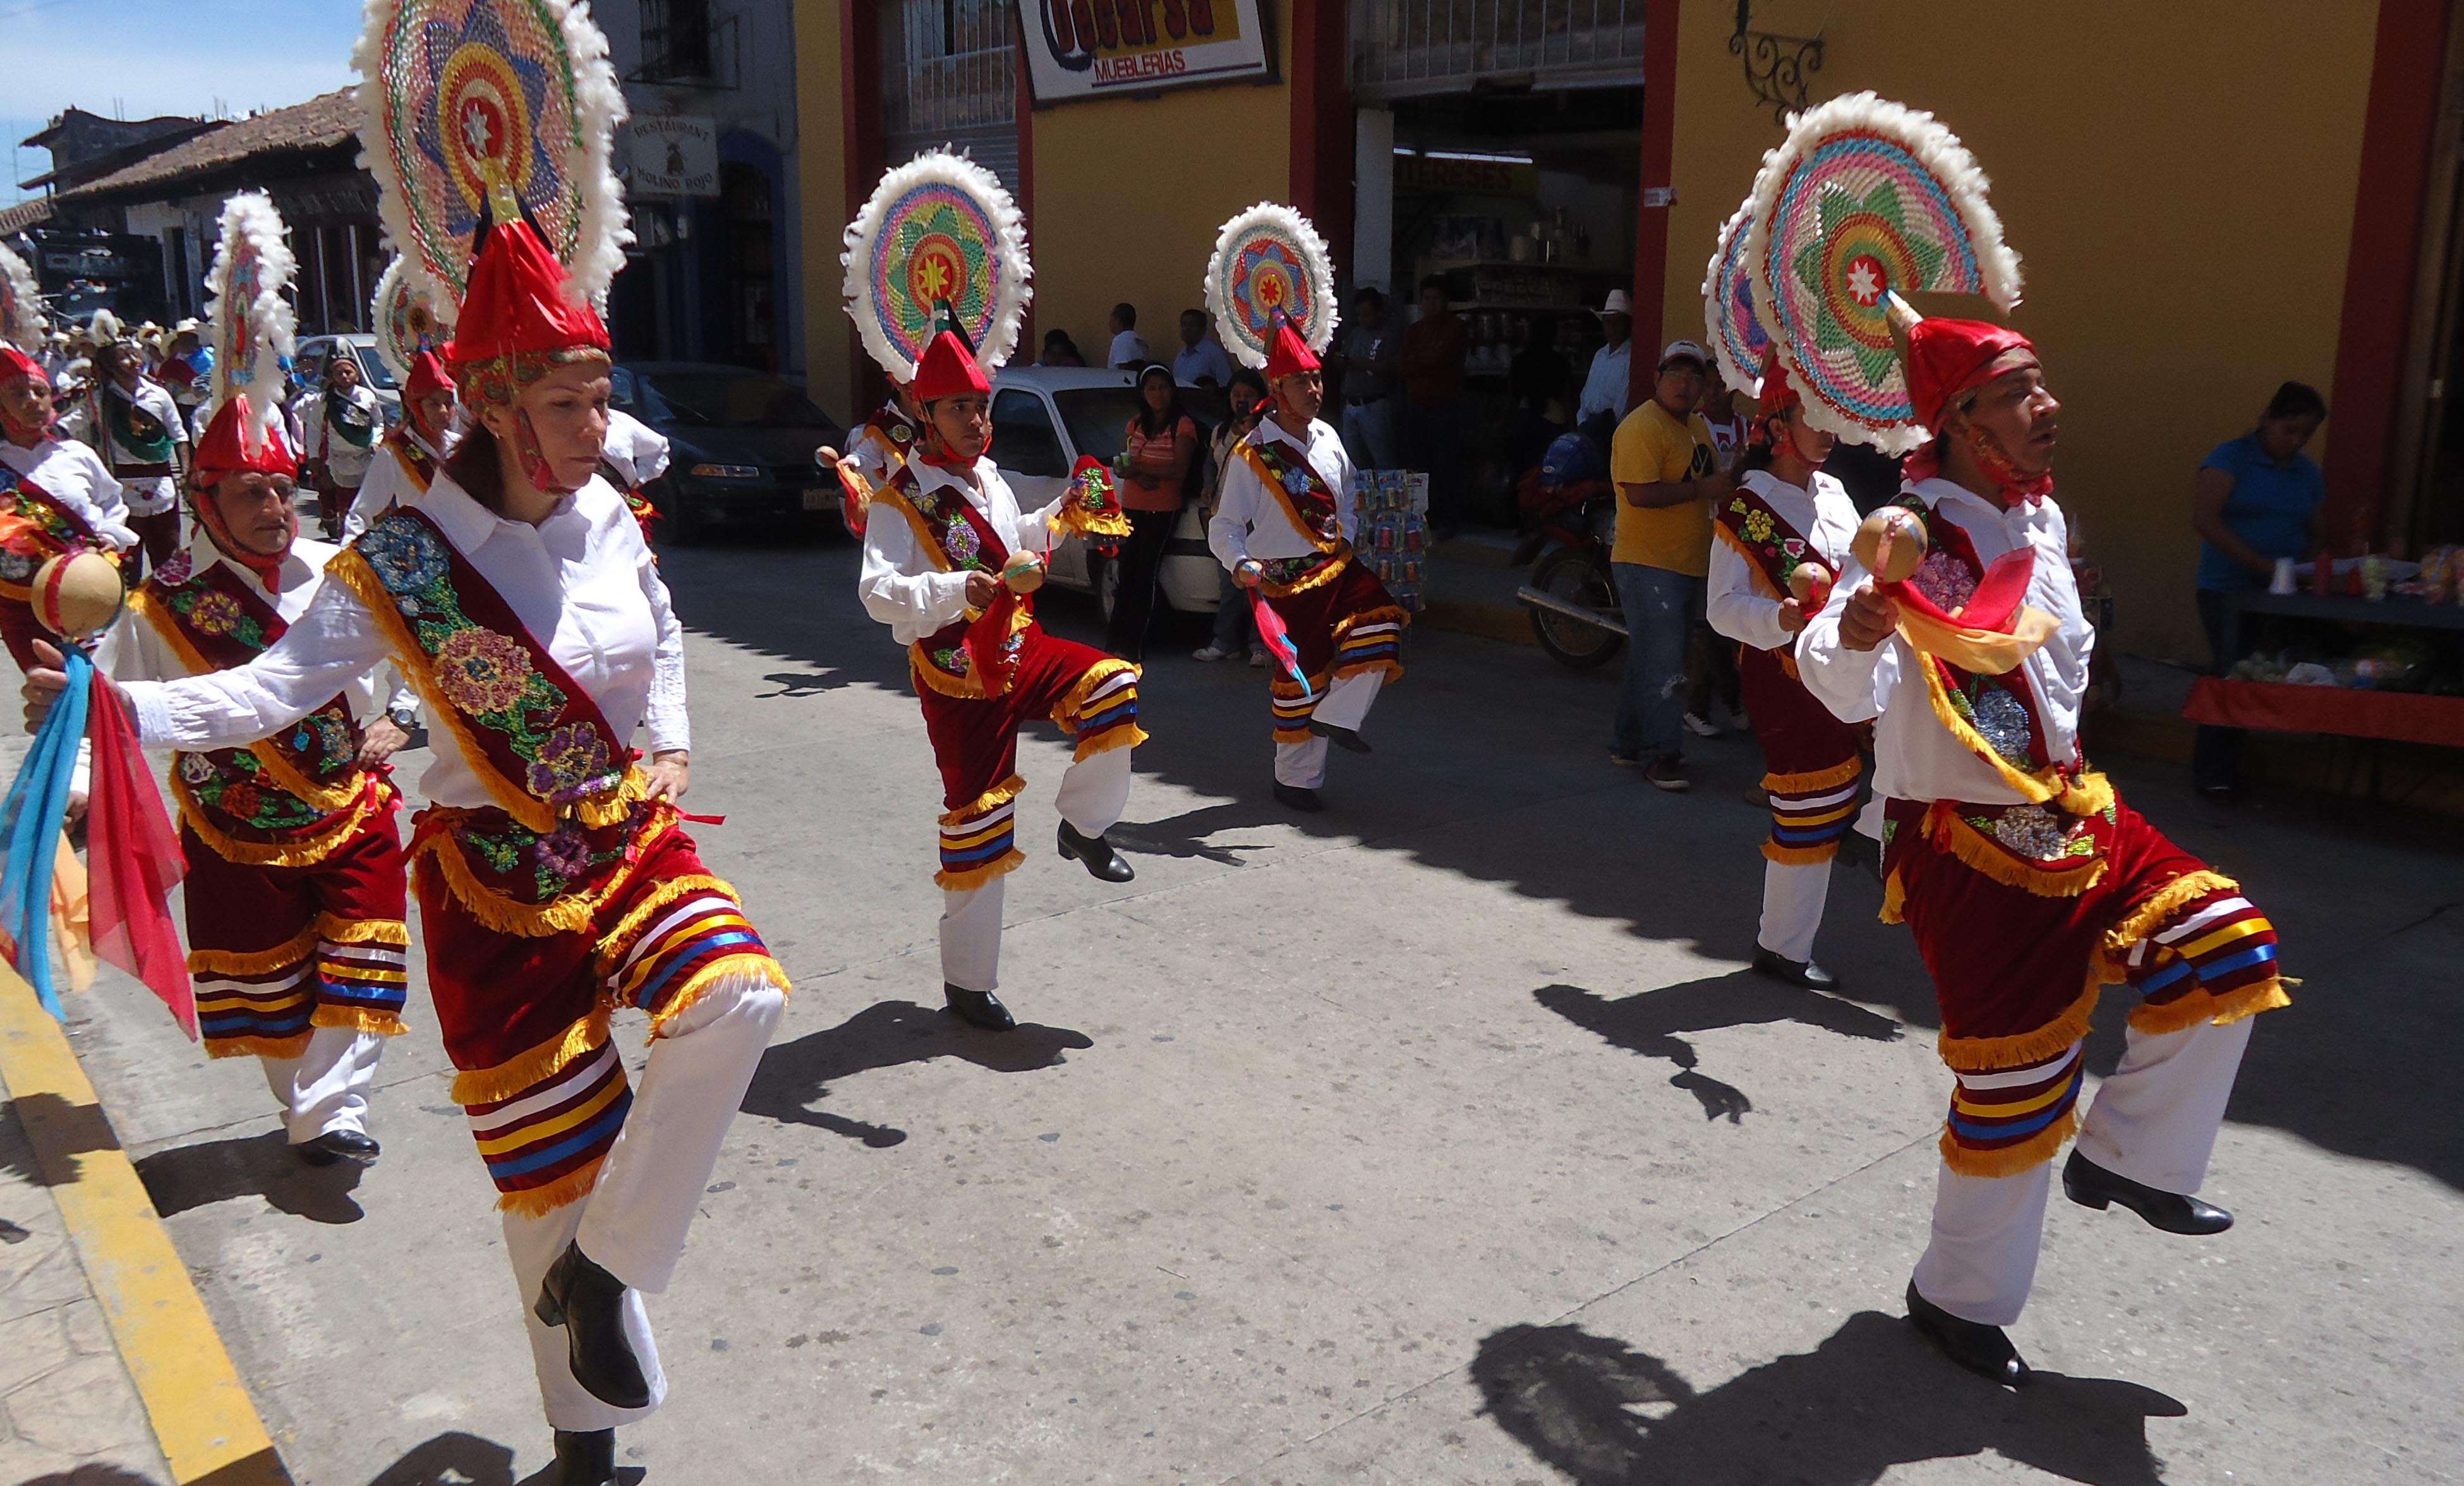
[15, 363]
[1946, 358]
[427, 374]
[948, 369]
[1288, 355]
[225, 449]
[517, 320]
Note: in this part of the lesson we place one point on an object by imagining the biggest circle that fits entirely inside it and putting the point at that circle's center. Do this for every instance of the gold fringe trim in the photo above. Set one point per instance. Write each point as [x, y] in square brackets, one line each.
[976, 876]
[614, 807]
[540, 1201]
[1895, 898]
[2011, 1160]
[303, 853]
[969, 688]
[1395, 612]
[2265, 996]
[889, 494]
[363, 930]
[1391, 669]
[758, 964]
[1065, 713]
[566, 915]
[487, 1086]
[1130, 736]
[1317, 577]
[617, 941]
[1808, 783]
[993, 799]
[1955, 838]
[1753, 564]
[1073, 517]
[286, 773]
[2151, 912]
[1989, 1055]
[359, 1018]
[257, 1047]
[296, 951]
[1801, 856]
[2091, 794]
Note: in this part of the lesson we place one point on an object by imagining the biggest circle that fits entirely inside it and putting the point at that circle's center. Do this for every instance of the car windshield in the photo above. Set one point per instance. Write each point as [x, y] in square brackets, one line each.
[1099, 417]
[720, 398]
[373, 369]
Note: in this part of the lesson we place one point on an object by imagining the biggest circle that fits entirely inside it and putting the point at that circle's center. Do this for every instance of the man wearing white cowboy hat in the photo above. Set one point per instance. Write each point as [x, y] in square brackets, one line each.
[1604, 389]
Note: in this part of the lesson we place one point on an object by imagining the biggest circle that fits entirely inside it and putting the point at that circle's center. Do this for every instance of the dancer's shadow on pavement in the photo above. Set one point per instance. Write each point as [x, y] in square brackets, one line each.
[1185, 833]
[794, 1075]
[1874, 1395]
[250, 1165]
[1648, 1022]
[71, 1130]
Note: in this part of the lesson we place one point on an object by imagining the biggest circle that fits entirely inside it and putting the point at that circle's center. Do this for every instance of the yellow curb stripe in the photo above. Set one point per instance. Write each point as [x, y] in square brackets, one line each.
[202, 1417]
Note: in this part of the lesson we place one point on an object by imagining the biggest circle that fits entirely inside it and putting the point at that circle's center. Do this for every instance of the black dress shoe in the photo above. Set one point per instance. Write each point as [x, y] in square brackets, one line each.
[590, 1303]
[1098, 855]
[1772, 966]
[981, 1008]
[586, 1457]
[1300, 798]
[337, 1146]
[1340, 737]
[1982, 1349]
[2092, 1186]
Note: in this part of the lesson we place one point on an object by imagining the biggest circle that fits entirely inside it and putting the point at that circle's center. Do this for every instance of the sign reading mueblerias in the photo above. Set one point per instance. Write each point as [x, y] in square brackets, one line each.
[1082, 49]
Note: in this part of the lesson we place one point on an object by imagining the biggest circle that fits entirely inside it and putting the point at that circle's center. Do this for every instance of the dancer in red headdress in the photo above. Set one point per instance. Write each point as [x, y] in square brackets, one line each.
[414, 449]
[951, 561]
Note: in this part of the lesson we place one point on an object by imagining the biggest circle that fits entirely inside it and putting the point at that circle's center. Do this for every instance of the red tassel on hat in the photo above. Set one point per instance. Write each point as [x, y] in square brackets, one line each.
[948, 369]
[1287, 355]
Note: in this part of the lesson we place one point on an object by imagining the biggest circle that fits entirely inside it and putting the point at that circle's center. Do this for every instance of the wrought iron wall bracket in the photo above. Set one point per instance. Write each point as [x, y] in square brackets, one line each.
[1775, 65]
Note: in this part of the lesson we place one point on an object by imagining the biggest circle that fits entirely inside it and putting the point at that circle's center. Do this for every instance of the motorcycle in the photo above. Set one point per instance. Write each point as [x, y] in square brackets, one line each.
[1572, 598]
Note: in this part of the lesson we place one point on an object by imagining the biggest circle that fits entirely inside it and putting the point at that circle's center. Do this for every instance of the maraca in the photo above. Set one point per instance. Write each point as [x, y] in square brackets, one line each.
[1023, 573]
[1810, 585]
[1890, 544]
[77, 595]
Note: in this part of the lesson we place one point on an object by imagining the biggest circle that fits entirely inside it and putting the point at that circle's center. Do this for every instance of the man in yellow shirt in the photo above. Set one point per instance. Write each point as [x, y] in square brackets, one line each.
[1668, 476]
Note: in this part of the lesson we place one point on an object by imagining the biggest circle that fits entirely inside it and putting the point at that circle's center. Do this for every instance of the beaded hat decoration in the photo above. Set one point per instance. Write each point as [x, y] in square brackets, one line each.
[249, 322]
[939, 236]
[1270, 267]
[409, 315]
[1739, 343]
[1864, 200]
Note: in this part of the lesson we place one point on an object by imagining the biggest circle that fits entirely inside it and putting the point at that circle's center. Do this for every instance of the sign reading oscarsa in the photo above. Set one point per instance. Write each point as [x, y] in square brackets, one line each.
[1082, 49]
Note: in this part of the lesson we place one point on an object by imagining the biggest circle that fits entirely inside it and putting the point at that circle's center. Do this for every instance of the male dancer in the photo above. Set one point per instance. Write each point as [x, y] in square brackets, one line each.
[2026, 882]
[57, 487]
[1284, 527]
[297, 880]
[338, 434]
[410, 456]
[949, 532]
[881, 449]
[137, 429]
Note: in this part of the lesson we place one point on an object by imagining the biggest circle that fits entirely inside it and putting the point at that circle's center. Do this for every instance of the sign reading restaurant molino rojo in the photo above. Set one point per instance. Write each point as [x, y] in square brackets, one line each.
[1081, 49]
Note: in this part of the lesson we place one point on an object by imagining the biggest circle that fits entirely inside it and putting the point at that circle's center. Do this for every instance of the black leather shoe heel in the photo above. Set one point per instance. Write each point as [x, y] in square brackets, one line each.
[586, 1457]
[337, 1146]
[978, 1008]
[2092, 1186]
[1982, 1349]
[1300, 798]
[1791, 973]
[590, 1303]
[1096, 854]
[1340, 737]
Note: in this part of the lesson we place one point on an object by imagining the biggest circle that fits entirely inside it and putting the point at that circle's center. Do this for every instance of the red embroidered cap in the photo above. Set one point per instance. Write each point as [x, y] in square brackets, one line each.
[1289, 355]
[15, 364]
[427, 374]
[517, 319]
[948, 369]
[1946, 358]
[224, 450]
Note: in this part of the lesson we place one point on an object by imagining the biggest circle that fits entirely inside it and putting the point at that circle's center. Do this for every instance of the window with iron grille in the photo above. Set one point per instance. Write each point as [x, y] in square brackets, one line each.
[675, 41]
[1406, 47]
[949, 76]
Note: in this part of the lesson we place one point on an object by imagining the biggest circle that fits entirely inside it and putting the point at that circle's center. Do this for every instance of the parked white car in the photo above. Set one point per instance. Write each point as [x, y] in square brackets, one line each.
[1044, 417]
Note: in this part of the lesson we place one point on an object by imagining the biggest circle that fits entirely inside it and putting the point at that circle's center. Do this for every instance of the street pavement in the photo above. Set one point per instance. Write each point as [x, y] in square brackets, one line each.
[1441, 1138]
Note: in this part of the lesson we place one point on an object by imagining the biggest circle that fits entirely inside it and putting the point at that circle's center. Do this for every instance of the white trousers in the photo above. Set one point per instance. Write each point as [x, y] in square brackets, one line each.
[1345, 705]
[2154, 1122]
[1793, 899]
[325, 1088]
[632, 1224]
[1093, 795]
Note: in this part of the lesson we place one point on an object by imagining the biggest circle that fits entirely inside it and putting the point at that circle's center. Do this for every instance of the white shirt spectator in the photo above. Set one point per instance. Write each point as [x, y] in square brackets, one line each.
[1604, 388]
[1129, 351]
[1191, 364]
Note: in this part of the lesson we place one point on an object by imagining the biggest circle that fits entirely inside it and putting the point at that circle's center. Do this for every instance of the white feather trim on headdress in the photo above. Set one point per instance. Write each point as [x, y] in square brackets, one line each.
[1719, 315]
[21, 305]
[407, 308]
[1233, 321]
[250, 329]
[1011, 271]
[104, 328]
[1940, 155]
[588, 178]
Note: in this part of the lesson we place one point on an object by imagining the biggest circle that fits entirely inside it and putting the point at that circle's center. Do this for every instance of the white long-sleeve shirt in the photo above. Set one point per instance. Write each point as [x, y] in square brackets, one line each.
[581, 581]
[387, 484]
[73, 476]
[147, 496]
[633, 448]
[1604, 386]
[1823, 515]
[1916, 757]
[347, 462]
[1250, 520]
[903, 586]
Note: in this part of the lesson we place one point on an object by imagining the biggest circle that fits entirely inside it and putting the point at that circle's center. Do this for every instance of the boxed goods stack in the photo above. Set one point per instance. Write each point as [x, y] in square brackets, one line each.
[1395, 531]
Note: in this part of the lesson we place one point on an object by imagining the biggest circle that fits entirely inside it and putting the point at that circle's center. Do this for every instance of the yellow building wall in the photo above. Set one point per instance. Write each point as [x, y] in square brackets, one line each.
[820, 160]
[2177, 177]
[1129, 193]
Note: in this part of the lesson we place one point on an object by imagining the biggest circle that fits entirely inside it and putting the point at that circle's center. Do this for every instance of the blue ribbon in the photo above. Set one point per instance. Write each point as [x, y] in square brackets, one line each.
[29, 831]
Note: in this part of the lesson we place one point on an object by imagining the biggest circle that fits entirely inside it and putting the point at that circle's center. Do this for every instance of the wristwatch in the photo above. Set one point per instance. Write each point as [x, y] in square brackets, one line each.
[403, 717]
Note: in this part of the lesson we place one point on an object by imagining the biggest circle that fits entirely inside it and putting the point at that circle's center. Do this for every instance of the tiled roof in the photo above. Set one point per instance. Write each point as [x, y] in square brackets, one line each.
[31, 212]
[322, 122]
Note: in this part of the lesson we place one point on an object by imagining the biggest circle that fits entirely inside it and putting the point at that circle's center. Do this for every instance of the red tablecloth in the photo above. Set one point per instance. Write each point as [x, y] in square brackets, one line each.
[2404, 717]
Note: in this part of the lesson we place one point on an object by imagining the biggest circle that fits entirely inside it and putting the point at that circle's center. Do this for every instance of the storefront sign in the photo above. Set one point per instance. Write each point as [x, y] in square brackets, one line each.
[1082, 49]
[675, 154]
[1437, 173]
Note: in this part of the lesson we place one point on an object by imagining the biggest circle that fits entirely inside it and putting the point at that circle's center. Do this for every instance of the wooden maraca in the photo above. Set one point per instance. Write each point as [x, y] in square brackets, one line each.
[1023, 573]
[77, 595]
[1890, 544]
[1809, 583]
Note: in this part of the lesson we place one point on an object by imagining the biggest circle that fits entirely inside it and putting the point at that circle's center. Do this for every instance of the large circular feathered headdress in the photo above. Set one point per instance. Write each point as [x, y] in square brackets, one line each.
[487, 109]
[21, 305]
[250, 321]
[938, 233]
[1738, 339]
[409, 315]
[1865, 200]
[1269, 264]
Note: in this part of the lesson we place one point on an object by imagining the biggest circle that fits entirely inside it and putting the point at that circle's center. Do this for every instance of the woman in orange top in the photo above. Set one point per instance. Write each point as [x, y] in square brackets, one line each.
[1161, 446]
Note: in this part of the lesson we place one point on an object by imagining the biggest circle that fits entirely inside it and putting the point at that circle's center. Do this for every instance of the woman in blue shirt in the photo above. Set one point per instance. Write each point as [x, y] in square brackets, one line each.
[2258, 499]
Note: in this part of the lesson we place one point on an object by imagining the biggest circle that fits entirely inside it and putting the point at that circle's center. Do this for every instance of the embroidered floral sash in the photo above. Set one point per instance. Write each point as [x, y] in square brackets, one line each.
[344, 416]
[1773, 548]
[526, 727]
[417, 466]
[958, 538]
[43, 529]
[1310, 502]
